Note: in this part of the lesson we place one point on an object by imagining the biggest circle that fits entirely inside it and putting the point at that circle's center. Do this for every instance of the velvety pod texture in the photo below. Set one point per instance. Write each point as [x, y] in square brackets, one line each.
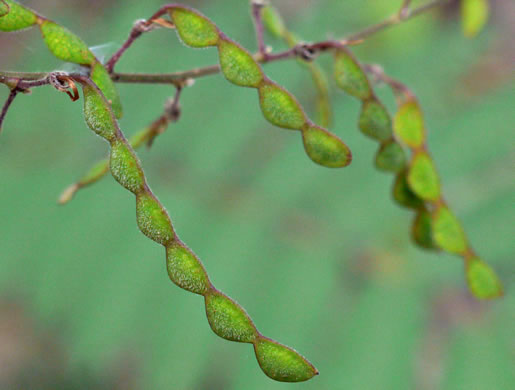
[325, 149]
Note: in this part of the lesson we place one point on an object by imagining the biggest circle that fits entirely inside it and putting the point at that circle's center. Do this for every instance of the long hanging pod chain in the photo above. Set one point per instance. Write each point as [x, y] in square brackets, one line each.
[226, 317]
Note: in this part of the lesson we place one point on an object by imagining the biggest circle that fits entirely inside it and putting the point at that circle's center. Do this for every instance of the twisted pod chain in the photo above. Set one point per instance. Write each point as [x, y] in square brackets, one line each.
[417, 185]
[279, 106]
[226, 317]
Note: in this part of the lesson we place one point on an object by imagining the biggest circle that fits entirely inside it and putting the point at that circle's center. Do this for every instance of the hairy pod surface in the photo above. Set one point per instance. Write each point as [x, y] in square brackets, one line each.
[194, 29]
[14, 16]
[325, 149]
[97, 114]
[238, 66]
[482, 280]
[125, 167]
[228, 319]
[153, 220]
[350, 77]
[280, 108]
[282, 363]
[185, 269]
[374, 120]
[65, 45]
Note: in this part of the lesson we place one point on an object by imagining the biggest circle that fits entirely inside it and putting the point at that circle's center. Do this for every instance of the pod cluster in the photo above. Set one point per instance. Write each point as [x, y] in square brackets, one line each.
[63, 44]
[417, 185]
[226, 317]
[279, 106]
[274, 23]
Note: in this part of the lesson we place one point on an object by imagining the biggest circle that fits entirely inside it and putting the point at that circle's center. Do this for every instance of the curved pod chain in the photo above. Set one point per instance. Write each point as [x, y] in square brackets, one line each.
[226, 318]
[279, 107]
[417, 185]
[63, 44]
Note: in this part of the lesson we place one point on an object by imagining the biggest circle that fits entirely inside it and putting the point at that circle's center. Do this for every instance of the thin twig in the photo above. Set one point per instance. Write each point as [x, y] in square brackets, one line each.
[7, 104]
[257, 6]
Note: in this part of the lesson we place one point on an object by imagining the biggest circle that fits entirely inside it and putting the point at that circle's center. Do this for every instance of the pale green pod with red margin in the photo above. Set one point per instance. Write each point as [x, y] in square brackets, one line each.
[482, 280]
[423, 178]
[125, 166]
[185, 269]
[408, 124]
[238, 66]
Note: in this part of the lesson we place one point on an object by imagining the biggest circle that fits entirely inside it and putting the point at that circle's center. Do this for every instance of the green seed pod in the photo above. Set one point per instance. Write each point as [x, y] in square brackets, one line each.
[423, 178]
[482, 280]
[238, 66]
[14, 16]
[350, 77]
[422, 231]
[282, 363]
[228, 319]
[447, 231]
[153, 220]
[474, 16]
[125, 167]
[194, 29]
[185, 270]
[374, 120]
[409, 124]
[102, 79]
[97, 113]
[403, 195]
[279, 106]
[390, 157]
[65, 45]
[325, 148]
[273, 21]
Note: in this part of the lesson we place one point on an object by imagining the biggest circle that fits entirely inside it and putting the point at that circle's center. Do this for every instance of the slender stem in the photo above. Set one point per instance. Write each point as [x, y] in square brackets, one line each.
[7, 104]
[136, 31]
[257, 6]
[177, 77]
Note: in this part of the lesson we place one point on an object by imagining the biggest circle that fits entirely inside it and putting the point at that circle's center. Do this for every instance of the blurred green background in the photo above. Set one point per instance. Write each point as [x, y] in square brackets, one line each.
[321, 259]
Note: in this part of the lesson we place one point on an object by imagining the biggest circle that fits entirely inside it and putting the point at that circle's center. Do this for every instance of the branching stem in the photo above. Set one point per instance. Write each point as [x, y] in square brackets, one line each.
[179, 77]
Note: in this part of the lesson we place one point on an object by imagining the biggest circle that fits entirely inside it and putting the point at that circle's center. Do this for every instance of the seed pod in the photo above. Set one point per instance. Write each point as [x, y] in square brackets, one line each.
[422, 231]
[185, 270]
[482, 280]
[238, 66]
[153, 221]
[390, 157]
[423, 178]
[474, 16]
[350, 77]
[282, 363]
[447, 231]
[195, 30]
[102, 79]
[279, 107]
[273, 21]
[97, 114]
[403, 195]
[325, 148]
[228, 319]
[65, 45]
[125, 167]
[409, 124]
[14, 16]
[374, 120]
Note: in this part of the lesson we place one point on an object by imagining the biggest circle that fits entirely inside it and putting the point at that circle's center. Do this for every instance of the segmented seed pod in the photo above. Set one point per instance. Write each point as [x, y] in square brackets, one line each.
[350, 76]
[422, 230]
[482, 280]
[238, 66]
[14, 16]
[423, 178]
[225, 316]
[390, 157]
